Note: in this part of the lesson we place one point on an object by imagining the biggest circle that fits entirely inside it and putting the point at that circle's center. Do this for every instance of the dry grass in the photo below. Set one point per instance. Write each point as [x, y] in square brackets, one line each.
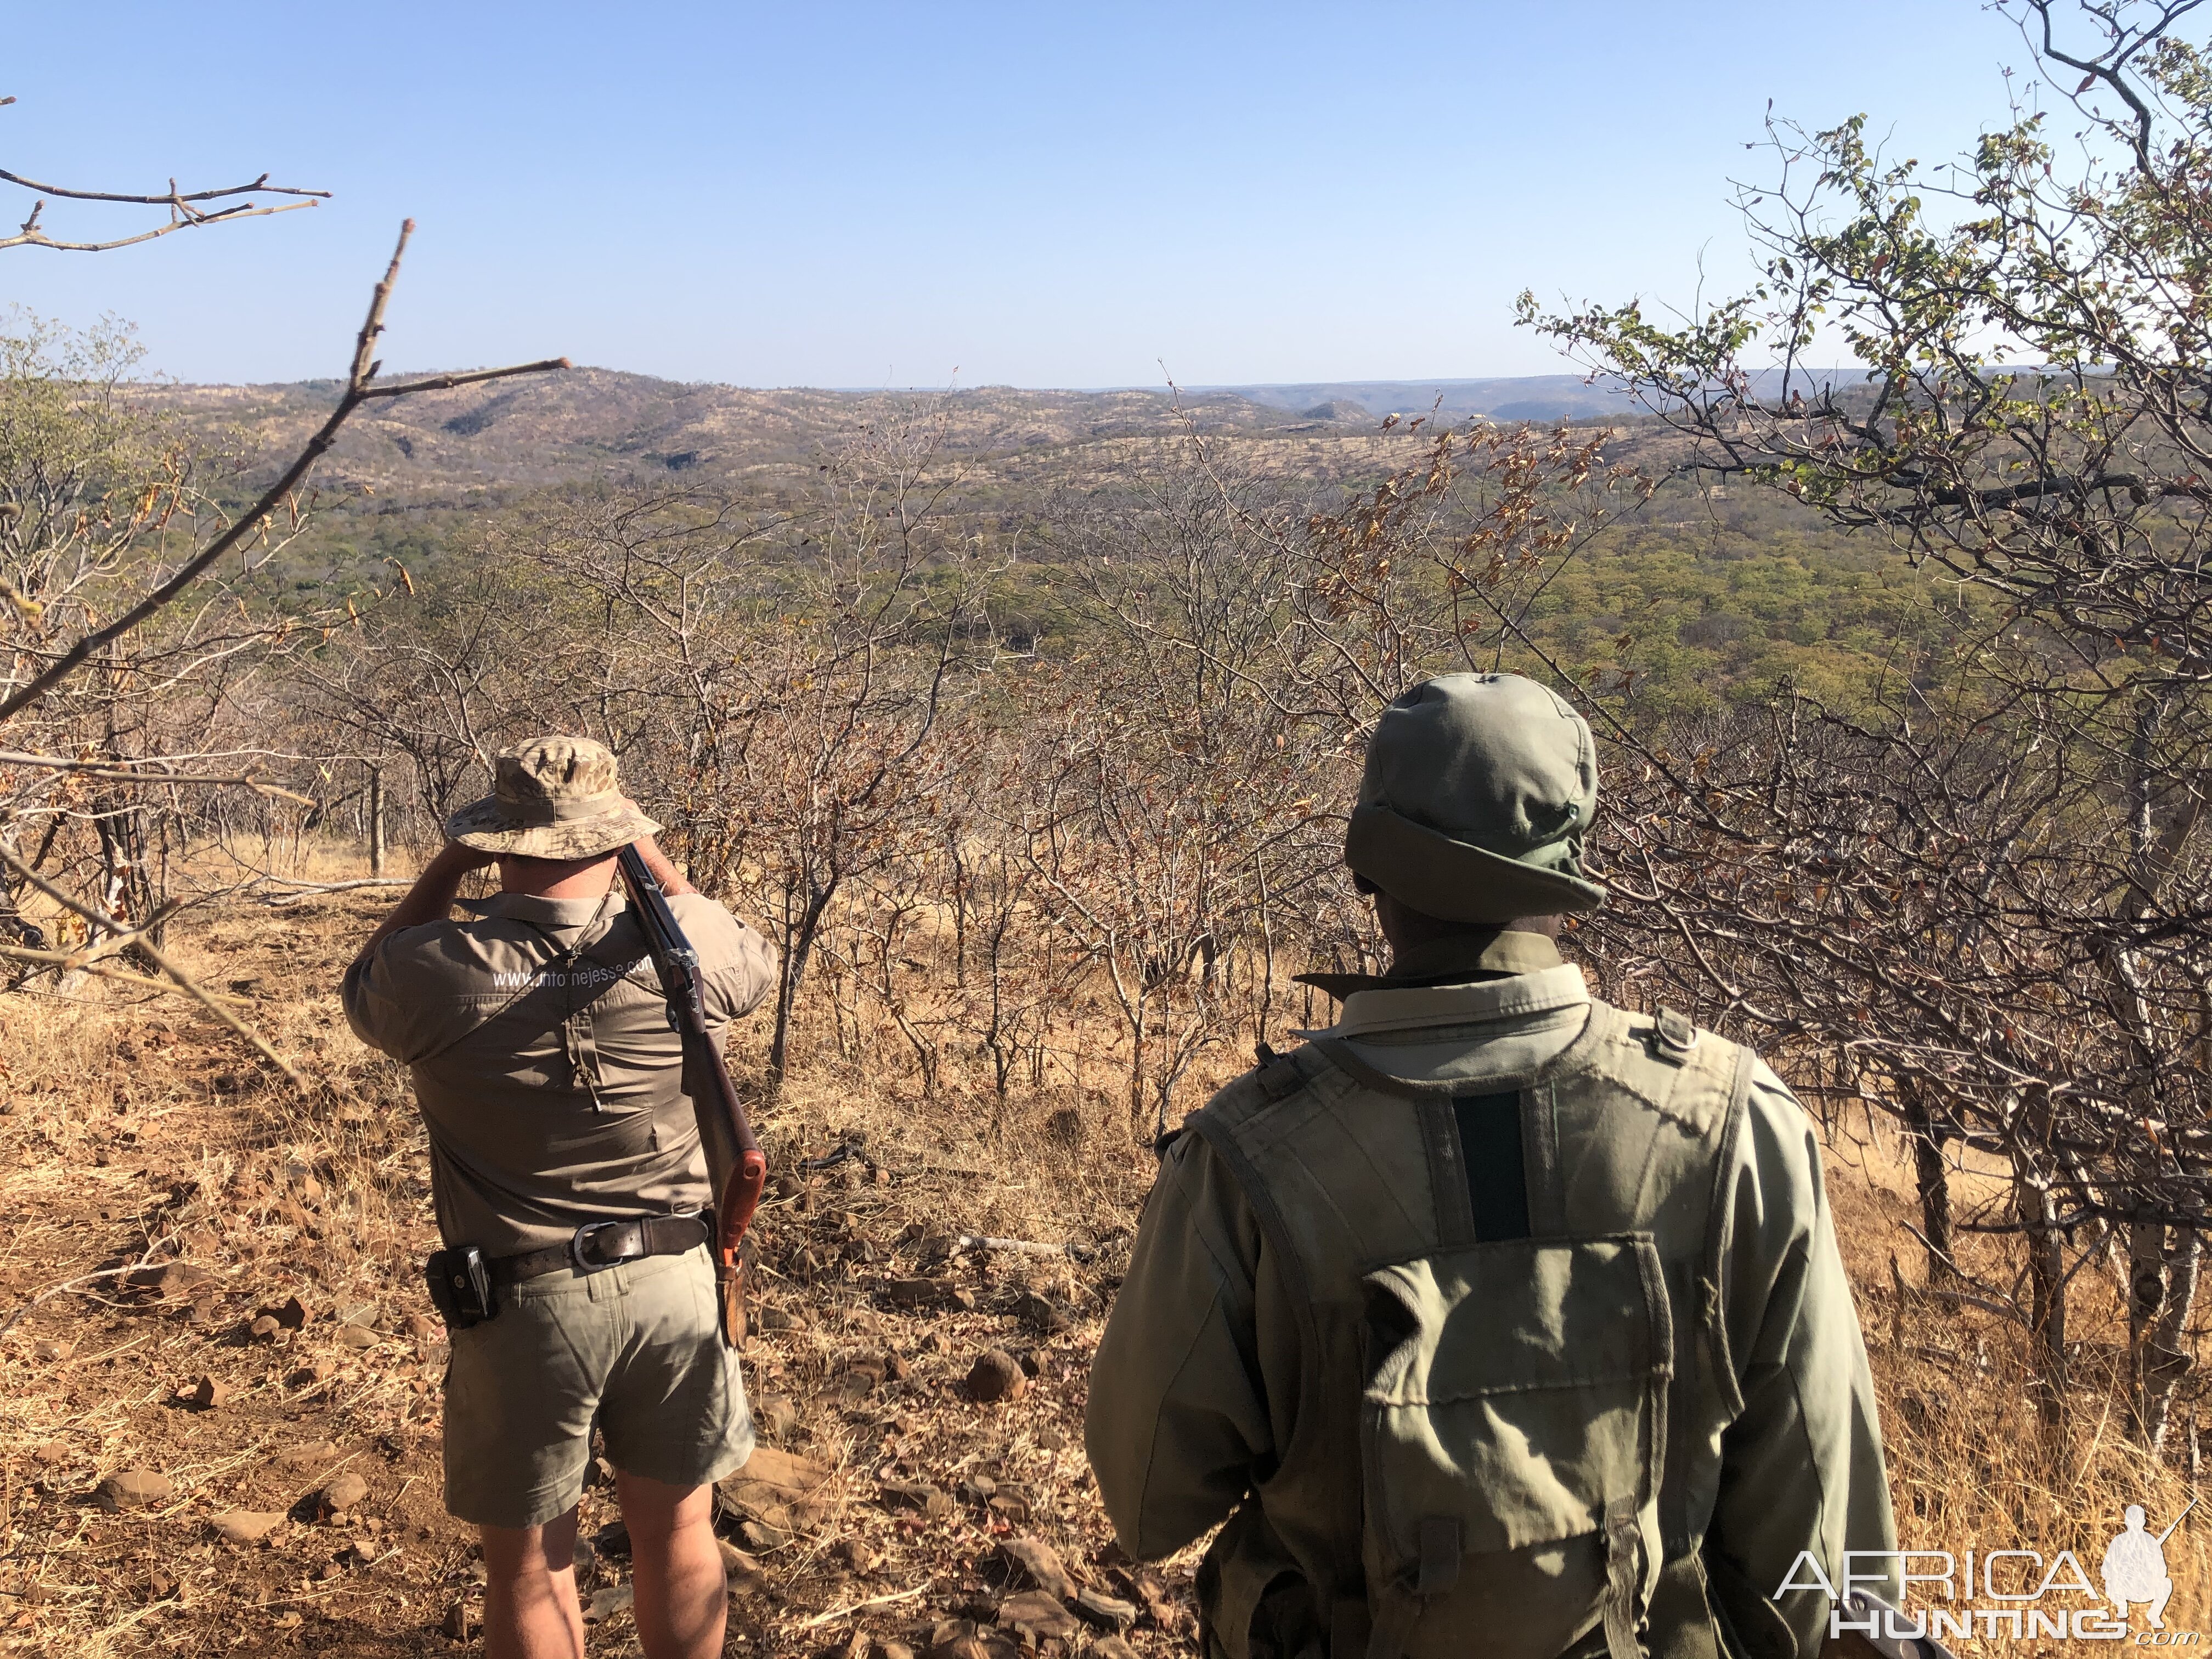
[1971, 1465]
[129, 1125]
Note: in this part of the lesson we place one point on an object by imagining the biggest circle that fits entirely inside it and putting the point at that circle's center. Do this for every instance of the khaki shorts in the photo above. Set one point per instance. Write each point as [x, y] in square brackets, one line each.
[634, 1348]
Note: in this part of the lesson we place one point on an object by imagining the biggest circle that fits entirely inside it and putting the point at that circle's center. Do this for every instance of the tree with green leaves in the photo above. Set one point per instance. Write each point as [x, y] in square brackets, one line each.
[1991, 900]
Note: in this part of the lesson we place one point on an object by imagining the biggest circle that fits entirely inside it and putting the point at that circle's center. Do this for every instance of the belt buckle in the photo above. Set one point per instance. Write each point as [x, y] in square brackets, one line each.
[579, 1241]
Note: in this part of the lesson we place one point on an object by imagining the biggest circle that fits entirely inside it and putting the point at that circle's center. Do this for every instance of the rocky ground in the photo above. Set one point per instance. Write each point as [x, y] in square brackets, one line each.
[219, 1380]
[220, 1428]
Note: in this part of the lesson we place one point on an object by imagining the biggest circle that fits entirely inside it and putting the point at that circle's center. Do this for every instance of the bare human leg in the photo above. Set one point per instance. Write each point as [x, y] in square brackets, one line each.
[681, 1600]
[530, 1591]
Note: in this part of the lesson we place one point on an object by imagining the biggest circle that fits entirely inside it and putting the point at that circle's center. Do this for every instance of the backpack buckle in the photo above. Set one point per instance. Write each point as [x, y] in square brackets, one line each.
[1673, 1037]
[1279, 1075]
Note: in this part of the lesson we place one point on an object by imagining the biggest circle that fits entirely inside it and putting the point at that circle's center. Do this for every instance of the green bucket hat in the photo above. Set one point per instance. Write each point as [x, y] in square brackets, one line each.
[552, 798]
[1478, 792]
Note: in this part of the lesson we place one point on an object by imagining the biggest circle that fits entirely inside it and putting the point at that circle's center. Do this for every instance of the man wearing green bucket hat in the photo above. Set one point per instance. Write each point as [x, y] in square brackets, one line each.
[1493, 1318]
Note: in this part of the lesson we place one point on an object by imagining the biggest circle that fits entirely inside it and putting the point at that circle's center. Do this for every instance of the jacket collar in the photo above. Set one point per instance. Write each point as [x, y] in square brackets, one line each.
[544, 912]
[1452, 961]
[1410, 1009]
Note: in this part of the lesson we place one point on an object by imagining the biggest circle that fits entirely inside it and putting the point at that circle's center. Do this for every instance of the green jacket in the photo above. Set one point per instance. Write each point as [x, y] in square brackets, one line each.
[1230, 1383]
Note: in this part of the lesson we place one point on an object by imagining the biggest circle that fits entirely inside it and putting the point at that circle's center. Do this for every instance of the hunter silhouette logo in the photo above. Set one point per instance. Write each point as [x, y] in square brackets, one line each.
[2134, 1567]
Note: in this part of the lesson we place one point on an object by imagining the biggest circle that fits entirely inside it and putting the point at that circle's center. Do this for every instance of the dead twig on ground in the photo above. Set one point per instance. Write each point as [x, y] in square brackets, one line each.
[1024, 1247]
[99, 918]
[831, 1616]
[68, 1284]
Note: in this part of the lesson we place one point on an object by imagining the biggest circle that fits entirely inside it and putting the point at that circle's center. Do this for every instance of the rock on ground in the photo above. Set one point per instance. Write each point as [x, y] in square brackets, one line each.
[606, 1603]
[996, 1376]
[1034, 1613]
[1040, 1564]
[1108, 1611]
[307, 1454]
[775, 1416]
[246, 1526]
[344, 1491]
[134, 1489]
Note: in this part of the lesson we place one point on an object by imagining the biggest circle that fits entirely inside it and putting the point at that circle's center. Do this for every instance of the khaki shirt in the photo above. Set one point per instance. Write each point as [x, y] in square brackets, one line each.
[551, 1085]
[1195, 1388]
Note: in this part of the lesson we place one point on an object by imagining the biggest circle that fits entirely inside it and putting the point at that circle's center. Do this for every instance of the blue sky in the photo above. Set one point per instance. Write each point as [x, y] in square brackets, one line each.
[1059, 194]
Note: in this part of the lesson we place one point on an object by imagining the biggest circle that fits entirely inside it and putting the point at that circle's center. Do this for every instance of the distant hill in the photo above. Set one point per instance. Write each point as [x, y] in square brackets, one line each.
[588, 423]
[411, 479]
[1511, 398]
[1519, 398]
[477, 445]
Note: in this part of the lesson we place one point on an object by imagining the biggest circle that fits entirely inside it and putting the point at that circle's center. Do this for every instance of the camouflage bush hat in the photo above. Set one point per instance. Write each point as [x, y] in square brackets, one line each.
[552, 798]
[1478, 792]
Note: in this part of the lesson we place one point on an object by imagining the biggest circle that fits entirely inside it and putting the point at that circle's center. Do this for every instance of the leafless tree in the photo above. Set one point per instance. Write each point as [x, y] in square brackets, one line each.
[104, 528]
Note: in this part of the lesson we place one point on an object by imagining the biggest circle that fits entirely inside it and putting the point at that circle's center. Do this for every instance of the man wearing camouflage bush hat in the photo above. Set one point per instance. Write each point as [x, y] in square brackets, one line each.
[1493, 1318]
[572, 1194]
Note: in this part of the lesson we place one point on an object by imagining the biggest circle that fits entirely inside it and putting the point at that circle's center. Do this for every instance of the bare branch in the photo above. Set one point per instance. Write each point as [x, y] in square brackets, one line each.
[358, 390]
[114, 773]
[168, 199]
[29, 235]
[185, 211]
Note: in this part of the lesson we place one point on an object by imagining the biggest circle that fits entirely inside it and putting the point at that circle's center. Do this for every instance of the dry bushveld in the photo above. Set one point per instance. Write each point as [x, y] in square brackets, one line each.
[221, 1426]
[1042, 835]
[1032, 761]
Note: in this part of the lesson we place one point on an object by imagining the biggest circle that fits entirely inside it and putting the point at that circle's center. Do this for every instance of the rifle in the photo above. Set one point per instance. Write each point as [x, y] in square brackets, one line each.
[2177, 1520]
[734, 1160]
[1861, 1605]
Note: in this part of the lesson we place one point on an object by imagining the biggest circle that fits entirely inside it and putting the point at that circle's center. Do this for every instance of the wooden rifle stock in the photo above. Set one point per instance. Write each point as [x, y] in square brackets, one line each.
[734, 1160]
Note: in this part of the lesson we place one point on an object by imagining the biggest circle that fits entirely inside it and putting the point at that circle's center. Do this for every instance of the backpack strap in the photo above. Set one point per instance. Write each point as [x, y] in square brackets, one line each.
[1623, 1571]
[1712, 1329]
[1447, 1173]
[1342, 1602]
[1222, 1140]
[1693, 1622]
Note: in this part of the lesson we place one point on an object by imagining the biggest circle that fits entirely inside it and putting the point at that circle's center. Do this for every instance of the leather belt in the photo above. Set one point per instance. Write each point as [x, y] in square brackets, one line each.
[598, 1245]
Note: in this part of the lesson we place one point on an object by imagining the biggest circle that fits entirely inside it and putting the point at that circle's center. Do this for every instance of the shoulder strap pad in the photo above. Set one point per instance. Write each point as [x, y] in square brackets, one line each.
[1711, 1277]
[1275, 1080]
